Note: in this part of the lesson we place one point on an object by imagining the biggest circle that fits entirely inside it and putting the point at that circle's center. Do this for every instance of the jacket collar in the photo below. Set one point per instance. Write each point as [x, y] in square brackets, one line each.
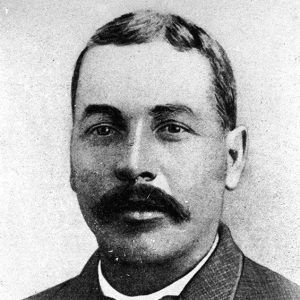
[217, 279]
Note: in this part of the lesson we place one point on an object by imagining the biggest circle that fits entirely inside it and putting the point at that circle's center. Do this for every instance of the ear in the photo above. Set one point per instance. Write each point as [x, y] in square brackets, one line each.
[237, 145]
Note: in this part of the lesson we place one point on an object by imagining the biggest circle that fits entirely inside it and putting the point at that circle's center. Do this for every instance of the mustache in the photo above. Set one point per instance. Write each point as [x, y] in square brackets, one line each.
[139, 197]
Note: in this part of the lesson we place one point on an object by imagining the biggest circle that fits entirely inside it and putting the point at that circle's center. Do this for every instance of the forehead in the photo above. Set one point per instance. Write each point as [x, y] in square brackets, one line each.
[136, 77]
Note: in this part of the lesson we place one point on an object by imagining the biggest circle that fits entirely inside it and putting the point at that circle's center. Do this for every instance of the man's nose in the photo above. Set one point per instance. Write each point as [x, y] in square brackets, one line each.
[138, 160]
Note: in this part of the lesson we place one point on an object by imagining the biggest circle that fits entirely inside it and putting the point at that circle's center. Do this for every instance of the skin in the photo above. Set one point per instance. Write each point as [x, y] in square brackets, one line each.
[187, 151]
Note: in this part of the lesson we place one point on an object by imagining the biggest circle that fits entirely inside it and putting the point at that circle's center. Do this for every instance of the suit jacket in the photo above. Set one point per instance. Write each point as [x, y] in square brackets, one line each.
[227, 275]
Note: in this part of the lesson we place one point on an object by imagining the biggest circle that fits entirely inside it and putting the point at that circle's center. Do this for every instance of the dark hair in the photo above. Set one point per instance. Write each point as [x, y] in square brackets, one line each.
[146, 26]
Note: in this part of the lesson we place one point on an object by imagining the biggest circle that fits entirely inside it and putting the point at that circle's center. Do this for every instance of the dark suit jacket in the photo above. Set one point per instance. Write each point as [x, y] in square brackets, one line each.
[228, 274]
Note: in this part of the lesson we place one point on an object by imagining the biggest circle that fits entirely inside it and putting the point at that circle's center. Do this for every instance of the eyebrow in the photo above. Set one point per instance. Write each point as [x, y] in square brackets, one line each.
[104, 109]
[160, 111]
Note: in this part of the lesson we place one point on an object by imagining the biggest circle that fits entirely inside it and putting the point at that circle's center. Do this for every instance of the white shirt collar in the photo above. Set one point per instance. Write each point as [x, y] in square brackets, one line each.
[173, 289]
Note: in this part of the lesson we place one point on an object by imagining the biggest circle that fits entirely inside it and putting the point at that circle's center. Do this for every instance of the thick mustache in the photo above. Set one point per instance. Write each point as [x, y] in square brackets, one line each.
[139, 197]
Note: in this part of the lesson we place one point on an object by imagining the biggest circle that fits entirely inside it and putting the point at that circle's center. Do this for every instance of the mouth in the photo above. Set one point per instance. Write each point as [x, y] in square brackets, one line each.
[140, 212]
[135, 216]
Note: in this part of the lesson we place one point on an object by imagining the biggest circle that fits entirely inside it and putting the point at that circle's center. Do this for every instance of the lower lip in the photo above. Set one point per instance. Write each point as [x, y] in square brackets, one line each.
[142, 216]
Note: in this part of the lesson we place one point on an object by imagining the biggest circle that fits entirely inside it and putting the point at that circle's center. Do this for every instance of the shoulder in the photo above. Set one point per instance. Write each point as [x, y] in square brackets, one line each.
[259, 282]
[75, 288]
[84, 286]
[63, 290]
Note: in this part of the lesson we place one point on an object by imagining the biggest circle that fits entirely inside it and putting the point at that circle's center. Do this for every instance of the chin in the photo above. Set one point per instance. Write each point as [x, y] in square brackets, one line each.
[141, 255]
[148, 247]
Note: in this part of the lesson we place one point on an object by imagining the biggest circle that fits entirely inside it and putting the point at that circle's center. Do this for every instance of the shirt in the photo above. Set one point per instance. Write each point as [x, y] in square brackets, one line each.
[174, 289]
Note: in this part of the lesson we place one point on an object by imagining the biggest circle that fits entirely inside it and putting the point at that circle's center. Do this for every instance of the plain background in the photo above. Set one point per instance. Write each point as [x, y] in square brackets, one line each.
[43, 238]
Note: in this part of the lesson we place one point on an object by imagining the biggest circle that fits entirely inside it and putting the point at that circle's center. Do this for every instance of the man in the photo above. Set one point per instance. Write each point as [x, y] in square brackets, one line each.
[154, 145]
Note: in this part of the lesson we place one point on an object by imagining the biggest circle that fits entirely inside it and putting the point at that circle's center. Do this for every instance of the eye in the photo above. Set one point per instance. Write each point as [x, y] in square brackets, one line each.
[172, 128]
[102, 130]
[173, 131]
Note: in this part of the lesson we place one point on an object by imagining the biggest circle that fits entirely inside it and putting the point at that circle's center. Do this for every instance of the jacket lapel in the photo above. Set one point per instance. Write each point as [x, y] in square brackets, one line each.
[219, 277]
[88, 280]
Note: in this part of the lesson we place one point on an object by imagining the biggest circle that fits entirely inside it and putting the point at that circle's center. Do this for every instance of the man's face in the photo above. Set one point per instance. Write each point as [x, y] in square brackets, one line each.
[147, 137]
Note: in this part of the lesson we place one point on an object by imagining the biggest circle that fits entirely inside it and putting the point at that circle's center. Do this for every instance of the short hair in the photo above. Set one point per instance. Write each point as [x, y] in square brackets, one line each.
[147, 26]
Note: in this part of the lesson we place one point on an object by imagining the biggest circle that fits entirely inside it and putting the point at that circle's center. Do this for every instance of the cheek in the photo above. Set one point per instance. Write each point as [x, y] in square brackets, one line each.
[90, 173]
[197, 166]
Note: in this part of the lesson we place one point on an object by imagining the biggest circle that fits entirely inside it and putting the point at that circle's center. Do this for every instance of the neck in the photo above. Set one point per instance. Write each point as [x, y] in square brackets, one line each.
[140, 278]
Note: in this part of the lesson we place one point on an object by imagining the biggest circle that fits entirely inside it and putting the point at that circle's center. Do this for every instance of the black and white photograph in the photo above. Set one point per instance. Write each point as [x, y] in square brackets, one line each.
[150, 150]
